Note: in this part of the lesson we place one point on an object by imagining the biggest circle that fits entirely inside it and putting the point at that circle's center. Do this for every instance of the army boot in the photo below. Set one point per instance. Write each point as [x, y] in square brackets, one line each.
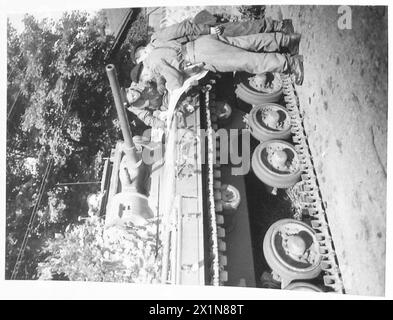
[295, 67]
[291, 42]
[284, 26]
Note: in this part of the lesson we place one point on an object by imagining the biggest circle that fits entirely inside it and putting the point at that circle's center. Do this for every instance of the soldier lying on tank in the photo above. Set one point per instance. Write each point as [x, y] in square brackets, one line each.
[255, 54]
[204, 24]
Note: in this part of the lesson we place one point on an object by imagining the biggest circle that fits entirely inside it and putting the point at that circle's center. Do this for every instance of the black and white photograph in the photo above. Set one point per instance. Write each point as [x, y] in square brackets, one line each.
[239, 145]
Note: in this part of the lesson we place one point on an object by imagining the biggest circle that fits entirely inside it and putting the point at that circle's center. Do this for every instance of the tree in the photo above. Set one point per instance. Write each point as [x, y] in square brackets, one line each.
[50, 120]
[60, 56]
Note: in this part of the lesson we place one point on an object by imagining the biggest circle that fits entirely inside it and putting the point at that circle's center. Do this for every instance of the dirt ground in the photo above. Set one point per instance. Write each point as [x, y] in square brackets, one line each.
[344, 98]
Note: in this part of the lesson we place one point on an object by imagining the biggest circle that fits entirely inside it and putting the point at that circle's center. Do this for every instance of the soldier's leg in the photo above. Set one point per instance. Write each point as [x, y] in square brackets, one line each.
[260, 42]
[241, 28]
[219, 56]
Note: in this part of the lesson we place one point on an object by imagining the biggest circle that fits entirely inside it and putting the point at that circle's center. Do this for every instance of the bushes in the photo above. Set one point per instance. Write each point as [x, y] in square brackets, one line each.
[90, 252]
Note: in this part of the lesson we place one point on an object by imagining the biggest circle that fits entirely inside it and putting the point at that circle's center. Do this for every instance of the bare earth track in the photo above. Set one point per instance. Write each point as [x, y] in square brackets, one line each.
[344, 98]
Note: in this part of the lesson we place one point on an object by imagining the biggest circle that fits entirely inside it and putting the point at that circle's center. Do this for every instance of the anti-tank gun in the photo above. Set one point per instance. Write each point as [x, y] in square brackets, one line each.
[129, 200]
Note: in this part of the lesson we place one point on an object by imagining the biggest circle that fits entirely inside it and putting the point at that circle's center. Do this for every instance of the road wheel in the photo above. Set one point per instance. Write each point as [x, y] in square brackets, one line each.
[276, 164]
[269, 121]
[250, 90]
[303, 286]
[222, 112]
[230, 197]
[291, 249]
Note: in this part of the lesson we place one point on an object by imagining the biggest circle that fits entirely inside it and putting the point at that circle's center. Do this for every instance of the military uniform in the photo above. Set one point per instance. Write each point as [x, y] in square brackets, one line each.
[252, 35]
[219, 54]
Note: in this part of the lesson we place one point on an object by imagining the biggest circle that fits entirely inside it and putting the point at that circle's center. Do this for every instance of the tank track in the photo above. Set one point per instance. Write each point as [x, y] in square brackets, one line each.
[306, 196]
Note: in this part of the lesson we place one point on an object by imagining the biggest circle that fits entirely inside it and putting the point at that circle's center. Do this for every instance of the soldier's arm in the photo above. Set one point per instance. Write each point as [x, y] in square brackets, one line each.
[165, 101]
[147, 117]
[160, 81]
[173, 77]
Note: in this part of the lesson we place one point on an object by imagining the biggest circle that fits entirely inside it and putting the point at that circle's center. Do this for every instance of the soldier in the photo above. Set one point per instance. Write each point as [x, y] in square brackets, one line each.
[146, 104]
[255, 54]
[231, 33]
[187, 30]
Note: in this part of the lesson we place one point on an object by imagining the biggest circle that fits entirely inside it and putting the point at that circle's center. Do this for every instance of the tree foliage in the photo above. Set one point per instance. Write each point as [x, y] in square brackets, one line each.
[48, 120]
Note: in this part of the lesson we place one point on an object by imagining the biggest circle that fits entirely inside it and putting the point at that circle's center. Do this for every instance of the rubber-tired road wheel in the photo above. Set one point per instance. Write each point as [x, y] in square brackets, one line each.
[303, 286]
[222, 111]
[269, 121]
[291, 250]
[248, 90]
[276, 164]
[230, 197]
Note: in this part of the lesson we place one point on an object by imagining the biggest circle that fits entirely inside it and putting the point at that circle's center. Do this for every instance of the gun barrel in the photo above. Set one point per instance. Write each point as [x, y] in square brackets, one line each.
[129, 147]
